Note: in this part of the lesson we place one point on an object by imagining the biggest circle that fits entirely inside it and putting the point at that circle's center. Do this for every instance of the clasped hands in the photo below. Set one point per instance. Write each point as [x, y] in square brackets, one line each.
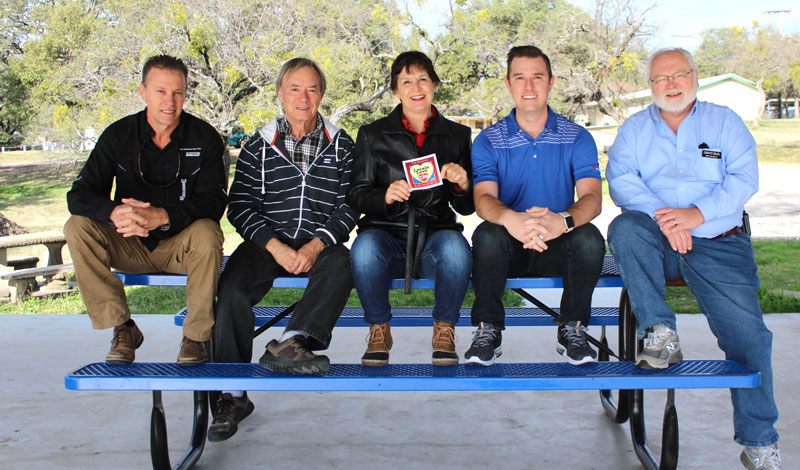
[676, 224]
[400, 191]
[137, 218]
[295, 261]
[535, 227]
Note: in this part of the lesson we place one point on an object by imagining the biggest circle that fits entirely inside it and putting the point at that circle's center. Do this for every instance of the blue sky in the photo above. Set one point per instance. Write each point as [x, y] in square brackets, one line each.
[680, 21]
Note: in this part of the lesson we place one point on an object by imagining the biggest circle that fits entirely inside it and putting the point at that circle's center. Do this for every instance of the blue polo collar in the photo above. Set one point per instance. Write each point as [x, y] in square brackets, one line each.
[550, 126]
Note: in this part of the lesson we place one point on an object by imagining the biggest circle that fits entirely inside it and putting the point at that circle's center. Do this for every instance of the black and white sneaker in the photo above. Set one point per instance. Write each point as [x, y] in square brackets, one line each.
[573, 345]
[486, 345]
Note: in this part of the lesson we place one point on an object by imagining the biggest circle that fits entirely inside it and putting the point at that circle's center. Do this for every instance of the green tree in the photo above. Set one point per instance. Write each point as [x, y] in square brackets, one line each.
[82, 67]
[762, 54]
[595, 55]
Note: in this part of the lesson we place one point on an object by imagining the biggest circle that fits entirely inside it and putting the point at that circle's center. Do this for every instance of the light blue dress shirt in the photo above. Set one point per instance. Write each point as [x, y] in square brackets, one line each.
[711, 164]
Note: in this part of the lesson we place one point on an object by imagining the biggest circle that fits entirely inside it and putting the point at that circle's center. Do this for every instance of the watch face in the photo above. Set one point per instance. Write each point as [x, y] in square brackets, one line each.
[568, 220]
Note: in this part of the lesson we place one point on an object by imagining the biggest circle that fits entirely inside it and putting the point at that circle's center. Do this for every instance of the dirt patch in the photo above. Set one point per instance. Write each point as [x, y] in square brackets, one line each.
[9, 227]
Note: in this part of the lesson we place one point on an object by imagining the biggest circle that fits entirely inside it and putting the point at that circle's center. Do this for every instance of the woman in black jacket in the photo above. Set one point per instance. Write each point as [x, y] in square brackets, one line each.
[415, 232]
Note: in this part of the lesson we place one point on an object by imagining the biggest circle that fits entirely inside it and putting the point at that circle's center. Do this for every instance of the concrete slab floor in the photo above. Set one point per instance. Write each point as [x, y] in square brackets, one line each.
[46, 426]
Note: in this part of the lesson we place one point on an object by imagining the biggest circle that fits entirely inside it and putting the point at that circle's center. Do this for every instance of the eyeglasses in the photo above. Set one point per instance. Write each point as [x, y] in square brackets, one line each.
[660, 79]
[175, 179]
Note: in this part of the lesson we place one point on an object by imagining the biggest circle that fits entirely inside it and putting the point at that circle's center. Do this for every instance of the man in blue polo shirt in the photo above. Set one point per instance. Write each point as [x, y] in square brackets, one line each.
[527, 169]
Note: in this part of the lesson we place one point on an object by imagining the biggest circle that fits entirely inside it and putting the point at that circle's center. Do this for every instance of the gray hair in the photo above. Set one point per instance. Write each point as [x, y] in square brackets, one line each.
[686, 54]
[298, 63]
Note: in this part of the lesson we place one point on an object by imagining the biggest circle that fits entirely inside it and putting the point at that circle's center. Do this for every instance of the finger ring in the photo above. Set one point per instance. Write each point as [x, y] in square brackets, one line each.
[541, 237]
[394, 192]
[674, 222]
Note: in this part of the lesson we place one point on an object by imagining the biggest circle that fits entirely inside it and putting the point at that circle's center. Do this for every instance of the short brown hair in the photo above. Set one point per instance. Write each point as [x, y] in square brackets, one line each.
[527, 51]
[165, 62]
[407, 60]
[298, 63]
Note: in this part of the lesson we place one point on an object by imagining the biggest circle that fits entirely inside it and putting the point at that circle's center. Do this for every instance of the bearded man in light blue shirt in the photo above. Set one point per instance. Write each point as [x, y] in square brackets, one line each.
[682, 171]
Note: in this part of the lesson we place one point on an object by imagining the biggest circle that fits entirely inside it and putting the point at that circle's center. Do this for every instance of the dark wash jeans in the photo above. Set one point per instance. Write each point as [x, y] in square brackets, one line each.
[576, 256]
[247, 278]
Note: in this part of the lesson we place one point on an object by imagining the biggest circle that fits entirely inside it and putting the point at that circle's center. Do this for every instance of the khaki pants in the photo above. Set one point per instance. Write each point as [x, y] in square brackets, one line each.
[96, 248]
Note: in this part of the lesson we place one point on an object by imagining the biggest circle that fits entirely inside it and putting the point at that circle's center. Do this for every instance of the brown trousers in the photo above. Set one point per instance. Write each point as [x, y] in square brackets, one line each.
[96, 248]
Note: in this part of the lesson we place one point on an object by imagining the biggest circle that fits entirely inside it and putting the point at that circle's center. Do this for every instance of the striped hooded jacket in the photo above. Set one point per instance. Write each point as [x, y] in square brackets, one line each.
[270, 197]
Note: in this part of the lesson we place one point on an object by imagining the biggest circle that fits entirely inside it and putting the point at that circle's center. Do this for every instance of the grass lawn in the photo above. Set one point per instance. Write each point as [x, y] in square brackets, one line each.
[778, 141]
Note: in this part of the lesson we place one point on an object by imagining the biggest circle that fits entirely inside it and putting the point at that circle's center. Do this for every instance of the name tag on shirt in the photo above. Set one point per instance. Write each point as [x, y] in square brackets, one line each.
[191, 152]
[715, 154]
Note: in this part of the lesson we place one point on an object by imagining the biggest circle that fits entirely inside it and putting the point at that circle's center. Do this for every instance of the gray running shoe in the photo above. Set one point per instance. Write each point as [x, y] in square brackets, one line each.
[661, 348]
[761, 458]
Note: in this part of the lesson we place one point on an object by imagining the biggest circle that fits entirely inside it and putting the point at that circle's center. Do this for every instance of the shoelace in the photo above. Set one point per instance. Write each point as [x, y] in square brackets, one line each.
[574, 334]
[656, 339]
[767, 458]
[483, 337]
[449, 333]
[118, 333]
[377, 332]
[224, 408]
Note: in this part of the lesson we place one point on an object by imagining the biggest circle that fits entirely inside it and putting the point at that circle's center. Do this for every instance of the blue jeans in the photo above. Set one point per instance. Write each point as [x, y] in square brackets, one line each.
[721, 272]
[377, 257]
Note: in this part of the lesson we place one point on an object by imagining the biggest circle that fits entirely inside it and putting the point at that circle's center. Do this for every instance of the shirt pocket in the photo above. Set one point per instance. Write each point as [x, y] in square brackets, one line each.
[708, 168]
[127, 174]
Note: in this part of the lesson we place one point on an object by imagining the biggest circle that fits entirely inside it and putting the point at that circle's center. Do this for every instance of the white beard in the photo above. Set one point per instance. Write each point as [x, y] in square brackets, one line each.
[673, 107]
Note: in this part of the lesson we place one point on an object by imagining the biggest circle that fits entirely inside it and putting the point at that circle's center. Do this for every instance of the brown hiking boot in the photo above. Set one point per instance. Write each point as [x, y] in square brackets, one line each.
[293, 357]
[444, 344]
[228, 412]
[379, 342]
[124, 343]
[192, 353]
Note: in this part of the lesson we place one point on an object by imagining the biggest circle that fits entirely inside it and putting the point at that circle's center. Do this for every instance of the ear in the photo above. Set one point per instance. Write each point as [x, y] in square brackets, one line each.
[141, 90]
[552, 81]
[508, 83]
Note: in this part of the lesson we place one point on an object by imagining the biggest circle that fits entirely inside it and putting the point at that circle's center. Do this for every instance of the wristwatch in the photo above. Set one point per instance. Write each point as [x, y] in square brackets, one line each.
[568, 221]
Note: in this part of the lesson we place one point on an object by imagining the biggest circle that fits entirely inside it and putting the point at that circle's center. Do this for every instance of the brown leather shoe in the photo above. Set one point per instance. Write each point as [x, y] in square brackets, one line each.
[379, 342]
[293, 356]
[192, 353]
[444, 344]
[124, 343]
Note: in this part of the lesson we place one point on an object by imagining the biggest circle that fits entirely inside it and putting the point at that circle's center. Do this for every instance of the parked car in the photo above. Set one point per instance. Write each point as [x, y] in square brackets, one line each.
[237, 139]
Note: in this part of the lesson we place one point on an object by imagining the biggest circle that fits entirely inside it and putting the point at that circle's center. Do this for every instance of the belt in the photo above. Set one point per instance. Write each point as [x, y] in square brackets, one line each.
[733, 231]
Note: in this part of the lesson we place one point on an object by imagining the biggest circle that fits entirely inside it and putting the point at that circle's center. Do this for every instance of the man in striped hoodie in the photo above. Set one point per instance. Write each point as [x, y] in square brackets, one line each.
[287, 201]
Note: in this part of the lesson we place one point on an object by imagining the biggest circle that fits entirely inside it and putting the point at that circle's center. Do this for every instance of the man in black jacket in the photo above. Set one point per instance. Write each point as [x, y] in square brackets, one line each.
[170, 194]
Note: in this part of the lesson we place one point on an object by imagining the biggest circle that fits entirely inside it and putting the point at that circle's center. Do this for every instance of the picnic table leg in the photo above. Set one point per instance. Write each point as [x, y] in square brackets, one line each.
[627, 330]
[669, 432]
[159, 448]
[54, 253]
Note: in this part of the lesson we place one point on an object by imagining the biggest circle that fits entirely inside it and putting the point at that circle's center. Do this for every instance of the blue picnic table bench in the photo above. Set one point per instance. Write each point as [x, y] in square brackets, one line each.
[605, 376]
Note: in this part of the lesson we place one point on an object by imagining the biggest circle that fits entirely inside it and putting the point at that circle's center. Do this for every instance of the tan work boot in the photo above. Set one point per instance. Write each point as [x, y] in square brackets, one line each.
[379, 342]
[444, 344]
[124, 343]
[192, 353]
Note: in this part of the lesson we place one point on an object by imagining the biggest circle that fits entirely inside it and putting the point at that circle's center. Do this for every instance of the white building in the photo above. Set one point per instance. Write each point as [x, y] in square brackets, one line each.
[731, 90]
